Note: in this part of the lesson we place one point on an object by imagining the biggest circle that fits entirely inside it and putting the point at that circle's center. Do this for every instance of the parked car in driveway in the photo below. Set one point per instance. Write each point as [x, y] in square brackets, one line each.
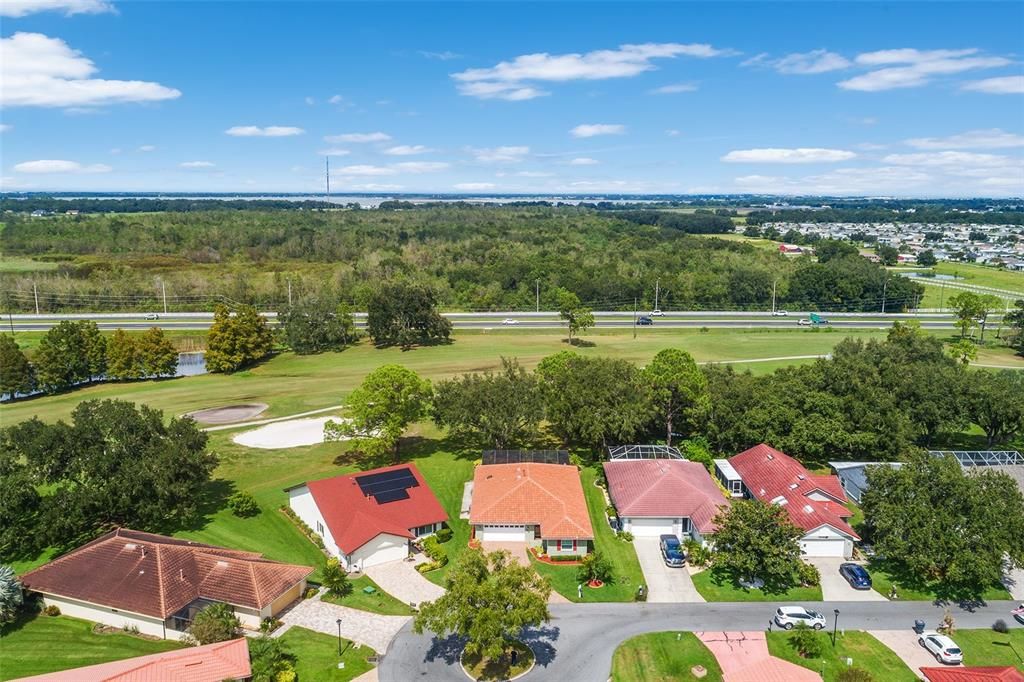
[856, 575]
[645, 321]
[787, 617]
[672, 551]
[941, 647]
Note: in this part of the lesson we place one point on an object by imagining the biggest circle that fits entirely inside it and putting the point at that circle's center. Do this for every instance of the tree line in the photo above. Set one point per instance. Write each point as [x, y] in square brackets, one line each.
[881, 214]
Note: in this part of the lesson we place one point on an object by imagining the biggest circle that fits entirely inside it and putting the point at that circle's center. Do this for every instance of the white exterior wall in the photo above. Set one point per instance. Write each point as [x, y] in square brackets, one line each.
[645, 527]
[826, 542]
[302, 503]
[502, 533]
[381, 549]
[147, 625]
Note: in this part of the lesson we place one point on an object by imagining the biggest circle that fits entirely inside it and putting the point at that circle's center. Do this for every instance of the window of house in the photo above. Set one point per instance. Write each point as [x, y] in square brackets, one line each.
[565, 545]
[736, 487]
[684, 526]
[319, 528]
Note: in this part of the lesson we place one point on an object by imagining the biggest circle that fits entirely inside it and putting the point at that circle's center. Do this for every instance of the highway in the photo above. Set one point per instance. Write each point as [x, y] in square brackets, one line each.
[528, 320]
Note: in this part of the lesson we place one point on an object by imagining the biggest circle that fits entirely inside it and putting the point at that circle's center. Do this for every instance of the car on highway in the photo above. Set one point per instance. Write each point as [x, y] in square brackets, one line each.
[657, 313]
[509, 320]
[856, 575]
[1018, 614]
[780, 313]
[152, 316]
[787, 617]
[941, 647]
[672, 551]
[644, 321]
[804, 322]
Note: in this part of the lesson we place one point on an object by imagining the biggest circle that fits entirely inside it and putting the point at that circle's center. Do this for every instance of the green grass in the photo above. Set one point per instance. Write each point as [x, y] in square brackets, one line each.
[378, 602]
[38, 644]
[663, 657]
[716, 585]
[910, 587]
[621, 555]
[988, 647]
[318, 659]
[19, 264]
[867, 653]
[983, 276]
[493, 670]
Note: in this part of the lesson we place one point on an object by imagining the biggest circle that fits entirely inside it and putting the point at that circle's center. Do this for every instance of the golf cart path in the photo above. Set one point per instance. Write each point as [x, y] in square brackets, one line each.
[261, 422]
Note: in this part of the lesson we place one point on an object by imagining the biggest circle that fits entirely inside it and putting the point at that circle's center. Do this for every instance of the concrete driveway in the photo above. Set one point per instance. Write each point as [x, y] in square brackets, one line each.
[664, 584]
[904, 644]
[1014, 582]
[834, 586]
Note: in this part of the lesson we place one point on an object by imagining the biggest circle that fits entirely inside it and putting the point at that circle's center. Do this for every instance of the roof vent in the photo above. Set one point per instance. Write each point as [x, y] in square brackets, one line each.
[143, 552]
[130, 545]
[142, 571]
[779, 500]
[801, 476]
[771, 456]
[794, 486]
[808, 508]
[181, 574]
[222, 564]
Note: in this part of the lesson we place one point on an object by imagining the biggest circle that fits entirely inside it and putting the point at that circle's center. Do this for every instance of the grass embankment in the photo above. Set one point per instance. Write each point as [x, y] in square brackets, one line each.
[988, 647]
[911, 587]
[317, 656]
[983, 276]
[716, 585]
[867, 653]
[625, 566]
[377, 601]
[663, 656]
[20, 264]
[38, 644]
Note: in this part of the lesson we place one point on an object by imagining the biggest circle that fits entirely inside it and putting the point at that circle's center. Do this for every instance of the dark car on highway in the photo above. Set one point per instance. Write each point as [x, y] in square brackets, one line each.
[856, 575]
[644, 320]
[672, 551]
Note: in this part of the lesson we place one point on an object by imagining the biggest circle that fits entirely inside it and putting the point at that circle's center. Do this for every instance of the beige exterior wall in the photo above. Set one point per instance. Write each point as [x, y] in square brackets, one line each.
[147, 625]
[285, 599]
[552, 548]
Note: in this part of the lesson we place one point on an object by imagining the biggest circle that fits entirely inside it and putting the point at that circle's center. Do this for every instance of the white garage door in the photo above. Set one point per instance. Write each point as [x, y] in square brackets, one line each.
[502, 534]
[646, 528]
[824, 548]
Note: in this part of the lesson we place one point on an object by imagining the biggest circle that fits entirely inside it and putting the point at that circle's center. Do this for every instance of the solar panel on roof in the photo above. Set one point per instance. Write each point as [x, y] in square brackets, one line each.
[387, 486]
[391, 495]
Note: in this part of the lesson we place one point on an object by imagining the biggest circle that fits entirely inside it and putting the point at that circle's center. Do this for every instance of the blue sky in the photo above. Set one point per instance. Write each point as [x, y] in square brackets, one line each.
[922, 99]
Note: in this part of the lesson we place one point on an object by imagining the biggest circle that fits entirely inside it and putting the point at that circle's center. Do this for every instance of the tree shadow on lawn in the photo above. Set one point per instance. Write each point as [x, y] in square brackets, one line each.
[966, 597]
[213, 499]
[28, 613]
[728, 579]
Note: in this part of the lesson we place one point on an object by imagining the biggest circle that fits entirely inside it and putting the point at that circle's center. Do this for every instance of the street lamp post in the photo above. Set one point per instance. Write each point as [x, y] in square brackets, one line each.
[835, 627]
[339, 635]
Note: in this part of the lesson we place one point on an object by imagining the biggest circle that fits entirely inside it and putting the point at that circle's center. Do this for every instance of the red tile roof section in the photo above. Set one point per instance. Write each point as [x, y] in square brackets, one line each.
[210, 663]
[768, 474]
[973, 674]
[156, 575]
[665, 488]
[530, 493]
[355, 519]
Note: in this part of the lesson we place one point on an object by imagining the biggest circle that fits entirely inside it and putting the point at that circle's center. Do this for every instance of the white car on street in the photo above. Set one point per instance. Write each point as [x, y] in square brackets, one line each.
[804, 322]
[941, 647]
[780, 313]
[657, 313]
[787, 617]
[152, 316]
[509, 320]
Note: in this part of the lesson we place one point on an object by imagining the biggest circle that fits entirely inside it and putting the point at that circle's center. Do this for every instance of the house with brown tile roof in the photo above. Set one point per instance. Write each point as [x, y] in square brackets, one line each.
[157, 584]
[541, 505]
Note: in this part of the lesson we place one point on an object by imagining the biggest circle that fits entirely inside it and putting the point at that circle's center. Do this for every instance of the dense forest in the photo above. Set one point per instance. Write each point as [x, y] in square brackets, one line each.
[476, 258]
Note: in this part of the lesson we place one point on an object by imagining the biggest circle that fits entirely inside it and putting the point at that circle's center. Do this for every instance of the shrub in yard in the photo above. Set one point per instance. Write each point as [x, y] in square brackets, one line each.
[51, 610]
[433, 549]
[806, 641]
[594, 567]
[808, 574]
[626, 536]
[310, 593]
[444, 535]
[1000, 626]
[11, 596]
[271, 660]
[854, 675]
[243, 504]
[696, 553]
[565, 557]
[216, 623]
[335, 579]
[948, 625]
[428, 566]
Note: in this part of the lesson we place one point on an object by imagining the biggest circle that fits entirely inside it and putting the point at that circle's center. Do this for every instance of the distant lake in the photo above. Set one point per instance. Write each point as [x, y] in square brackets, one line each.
[926, 275]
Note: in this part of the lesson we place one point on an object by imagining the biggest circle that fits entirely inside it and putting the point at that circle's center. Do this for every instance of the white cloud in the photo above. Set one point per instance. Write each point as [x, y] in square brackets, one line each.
[673, 89]
[801, 63]
[511, 80]
[21, 8]
[336, 99]
[333, 151]
[421, 166]
[915, 68]
[60, 166]
[359, 137]
[799, 155]
[594, 129]
[992, 138]
[147, 148]
[947, 158]
[268, 131]
[672, 132]
[871, 146]
[474, 186]
[508, 154]
[364, 169]
[583, 161]
[529, 174]
[445, 56]
[408, 150]
[6, 127]
[197, 164]
[1002, 85]
[40, 71]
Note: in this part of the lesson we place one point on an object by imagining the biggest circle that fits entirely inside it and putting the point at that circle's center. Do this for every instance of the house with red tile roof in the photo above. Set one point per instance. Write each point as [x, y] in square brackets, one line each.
[371, 517]
[664, 496]
[541, 505]
[157, 584]
[973, 673]
[815, 503]
[211, 663]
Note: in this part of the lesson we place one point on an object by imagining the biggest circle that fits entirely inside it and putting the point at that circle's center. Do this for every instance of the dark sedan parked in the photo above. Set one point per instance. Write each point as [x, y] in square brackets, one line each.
[672, 551]
[856, 575]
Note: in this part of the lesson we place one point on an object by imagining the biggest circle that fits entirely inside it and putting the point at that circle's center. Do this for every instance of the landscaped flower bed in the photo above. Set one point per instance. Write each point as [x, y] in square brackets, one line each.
[555, 560]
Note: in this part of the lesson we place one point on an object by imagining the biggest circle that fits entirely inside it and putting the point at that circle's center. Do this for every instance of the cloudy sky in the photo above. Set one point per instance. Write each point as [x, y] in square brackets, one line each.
[866, 99]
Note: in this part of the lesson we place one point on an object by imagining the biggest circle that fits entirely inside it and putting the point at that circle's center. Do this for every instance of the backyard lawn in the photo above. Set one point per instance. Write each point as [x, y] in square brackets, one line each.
[716, 585]
[867, 653]
[910, 587]
[988, 647]
[318, 659]
[38, 644]
[621, 555]
[663, 657]
[377, 602]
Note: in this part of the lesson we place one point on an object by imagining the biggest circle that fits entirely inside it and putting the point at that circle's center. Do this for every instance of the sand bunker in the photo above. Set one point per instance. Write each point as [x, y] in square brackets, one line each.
[289, 434]
[227, 414]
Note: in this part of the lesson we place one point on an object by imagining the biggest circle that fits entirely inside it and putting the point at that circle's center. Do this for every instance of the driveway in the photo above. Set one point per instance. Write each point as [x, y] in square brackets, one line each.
[904, 644]
[744, 657]
[834, 586]
[370, 629]
[664, 584]
[516, 549]
[1014, 582]
[402, 581]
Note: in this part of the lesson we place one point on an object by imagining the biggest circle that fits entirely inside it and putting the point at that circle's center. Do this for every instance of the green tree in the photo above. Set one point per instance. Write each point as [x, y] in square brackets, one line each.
[405, 314]
[157, 355]
[963, 351]
[19, 507]
[235, 341]
[11, 597]
[578, 317]
[887, 255]
[987, 304]
[757, 540]
[1015, 320]
[594, 567]
[271, 659]
[95, 349]
[679, 390]
[967, 306]
[123, 361]
[335, 579]
[832, 249]
[806, 641]
[61, 360]
[927, 258]
[215, 623]
[490, 598]
[939, 522]
[390, 398]
[15, 371]
[995, 402]
[501, 410]
[316, 324]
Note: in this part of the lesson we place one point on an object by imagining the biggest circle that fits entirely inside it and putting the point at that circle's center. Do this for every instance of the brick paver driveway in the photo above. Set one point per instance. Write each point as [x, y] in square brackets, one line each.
[370, 629]
[402, 581]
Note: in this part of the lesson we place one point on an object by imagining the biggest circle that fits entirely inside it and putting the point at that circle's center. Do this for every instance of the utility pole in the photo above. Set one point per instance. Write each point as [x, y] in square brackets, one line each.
[634, 317]
[657, 290]
[35, 294]
[774, 282]
[885, 286]
[327, 165]
[10, 318]
[537, 286]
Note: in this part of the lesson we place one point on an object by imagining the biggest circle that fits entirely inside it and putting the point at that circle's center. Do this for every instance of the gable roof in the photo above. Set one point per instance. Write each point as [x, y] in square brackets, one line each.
[156, 575]
[211, 663]
[773, 476]
[665, 487]
[546, 494]
[1004, 673]
[354, 518]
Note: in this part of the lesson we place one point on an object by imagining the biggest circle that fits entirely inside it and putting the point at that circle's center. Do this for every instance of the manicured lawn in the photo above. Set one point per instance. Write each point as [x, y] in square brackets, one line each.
[23, 264]
[988, 647]
[663, 657]
[43, 644]
[867, 653]
[626, 567]
[911, 588]
[715, 585]
[318, 659]
[486, 669]
[983, 276]
[378, 602]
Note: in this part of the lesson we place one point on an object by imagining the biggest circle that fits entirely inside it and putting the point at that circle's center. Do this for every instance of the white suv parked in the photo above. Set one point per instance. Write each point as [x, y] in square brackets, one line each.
[941, 647]
[789, 616]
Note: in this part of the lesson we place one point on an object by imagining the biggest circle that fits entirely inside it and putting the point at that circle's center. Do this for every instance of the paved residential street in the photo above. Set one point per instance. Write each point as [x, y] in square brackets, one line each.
[579, 641]
[664, 584]
[834, 586]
